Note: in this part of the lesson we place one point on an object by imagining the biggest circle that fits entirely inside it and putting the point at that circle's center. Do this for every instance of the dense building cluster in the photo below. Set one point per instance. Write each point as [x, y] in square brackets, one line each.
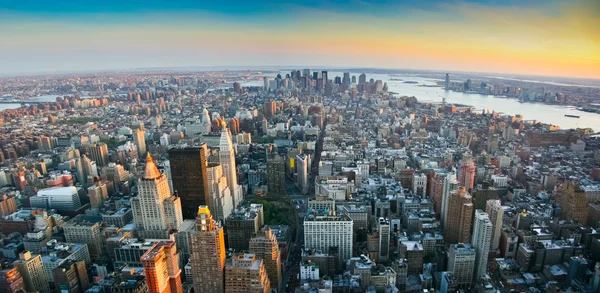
[304, 183]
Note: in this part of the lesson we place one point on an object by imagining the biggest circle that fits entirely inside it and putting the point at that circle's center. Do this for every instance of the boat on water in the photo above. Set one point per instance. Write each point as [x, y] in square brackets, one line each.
[571, 116]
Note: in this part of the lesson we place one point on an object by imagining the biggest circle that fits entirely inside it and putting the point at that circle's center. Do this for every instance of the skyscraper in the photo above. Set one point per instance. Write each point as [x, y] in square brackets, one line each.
[98, 152]
[208, 254]
[190, 179]
[495, 211]
[270, 109]
[246, 273]
[461, 262]
[383, 228]
[482, 236]
[266, 247]
[32, 271]
[275, 174]
[266, 84]
[449, 184]
[467, 172]
[140, 141]
[457, 228]
[447, 82]
[346, 79]
[155, 210]
[221, 203]
[161, 266]
[227, 160]
[302, 172]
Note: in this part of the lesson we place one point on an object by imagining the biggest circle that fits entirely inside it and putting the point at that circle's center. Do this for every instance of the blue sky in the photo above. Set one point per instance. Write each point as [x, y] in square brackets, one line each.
[532, 37]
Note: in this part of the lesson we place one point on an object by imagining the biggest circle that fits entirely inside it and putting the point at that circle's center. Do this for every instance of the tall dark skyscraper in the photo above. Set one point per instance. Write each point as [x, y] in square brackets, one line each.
[190, 180]
[346, 79]
[324, 75]
[447, 84]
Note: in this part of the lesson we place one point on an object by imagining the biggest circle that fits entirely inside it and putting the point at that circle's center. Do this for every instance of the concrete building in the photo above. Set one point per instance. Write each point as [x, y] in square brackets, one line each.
[98, 153]
[71, 277]
[266, 247]
[81, 230]
[59, 198]
[139, 139]
[461, 262]
[32, 271]
[466, 176]
[242, 225]
[155, 209]
[246, 273]
[161, 267]
[190, 178]
[207, 253]
[383, 228]
[11, 281]
[302, 172]
[482, 237]
[495, 211]
[336, 187]
[321, 203]
[457, 228]
[324, 231]
[275, 174]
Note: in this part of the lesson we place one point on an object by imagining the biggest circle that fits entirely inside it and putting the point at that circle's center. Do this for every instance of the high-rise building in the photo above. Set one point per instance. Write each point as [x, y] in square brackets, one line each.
[208, 254]
[266, 84]
[466, 176]
[457, 228]
[495, 211]
[81, 230]
[270, 109]
[227, 160]
[573, 202]
[243, 224]
[190, 178]
[302, 172]
[246, 273]
[266, 247]
[275, 174]
[155, 209]
[71, 277]
[449, 184]
[324, 231]
[8, 205]
[482, 237]
[221, 203]
[346, 79]
[140, 141]
[447, 82]
[383, 228]
[161, 266]
[32, 271]
[461, 262]
[11, 281]
[98, 152]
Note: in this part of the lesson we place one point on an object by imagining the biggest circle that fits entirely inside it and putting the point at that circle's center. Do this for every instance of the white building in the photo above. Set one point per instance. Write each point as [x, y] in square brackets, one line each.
[482, 236]
[227, 160]
[221, 203]
[495, 211]
[420, 184]
[60, 198]
[336, 187]
[461, 262]
[500, 181]
[309, 271]
[155, 209]
[323, 232]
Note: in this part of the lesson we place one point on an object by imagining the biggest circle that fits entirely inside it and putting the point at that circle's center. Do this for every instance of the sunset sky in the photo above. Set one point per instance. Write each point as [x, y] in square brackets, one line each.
[540, 37]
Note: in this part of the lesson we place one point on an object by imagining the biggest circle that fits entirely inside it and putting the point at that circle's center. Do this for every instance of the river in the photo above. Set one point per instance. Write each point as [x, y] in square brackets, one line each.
[553, 114]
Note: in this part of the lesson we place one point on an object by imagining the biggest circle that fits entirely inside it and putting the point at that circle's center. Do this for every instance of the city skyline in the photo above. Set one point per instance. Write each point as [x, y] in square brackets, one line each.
[534, 38]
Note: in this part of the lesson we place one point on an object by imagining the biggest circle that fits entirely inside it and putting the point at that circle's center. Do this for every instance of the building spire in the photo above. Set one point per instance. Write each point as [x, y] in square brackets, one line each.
[151, 171]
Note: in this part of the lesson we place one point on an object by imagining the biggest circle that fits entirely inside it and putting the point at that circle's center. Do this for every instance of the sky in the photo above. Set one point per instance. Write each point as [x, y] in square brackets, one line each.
[535, 37]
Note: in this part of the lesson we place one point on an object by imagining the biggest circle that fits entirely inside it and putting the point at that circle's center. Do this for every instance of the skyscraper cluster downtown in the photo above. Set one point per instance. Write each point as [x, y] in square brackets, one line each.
[307, 181]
